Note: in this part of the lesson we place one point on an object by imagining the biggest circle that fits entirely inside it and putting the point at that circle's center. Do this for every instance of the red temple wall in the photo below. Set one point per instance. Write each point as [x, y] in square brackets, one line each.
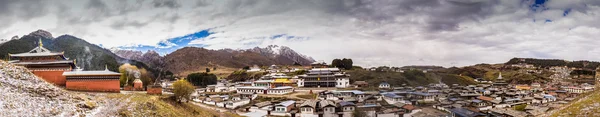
[54, 77]
[138, 86]
[154, 90]
[94, 85]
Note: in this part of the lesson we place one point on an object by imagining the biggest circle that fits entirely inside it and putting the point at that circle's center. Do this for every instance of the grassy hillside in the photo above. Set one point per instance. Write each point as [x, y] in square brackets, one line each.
[555, 62]
[585, 106]
[411, 78]
[511, 74]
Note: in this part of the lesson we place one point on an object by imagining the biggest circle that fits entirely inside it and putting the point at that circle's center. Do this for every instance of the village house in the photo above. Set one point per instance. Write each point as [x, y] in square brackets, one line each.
[328, 108]
[346, 108]
[358, 84]
[384, 85]
[285, 106]
[308, 108]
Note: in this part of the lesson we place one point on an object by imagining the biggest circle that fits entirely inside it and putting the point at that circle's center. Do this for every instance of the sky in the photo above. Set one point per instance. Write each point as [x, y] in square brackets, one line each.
[371, 32]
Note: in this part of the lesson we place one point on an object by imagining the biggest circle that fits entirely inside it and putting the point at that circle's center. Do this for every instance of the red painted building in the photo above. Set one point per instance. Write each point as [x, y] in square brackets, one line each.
[45, 64]
[100, 81]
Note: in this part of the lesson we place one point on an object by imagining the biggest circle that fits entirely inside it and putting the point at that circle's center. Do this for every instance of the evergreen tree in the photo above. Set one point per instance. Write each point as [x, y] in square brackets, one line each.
[202, 79]
[337, 63]
[347, 64]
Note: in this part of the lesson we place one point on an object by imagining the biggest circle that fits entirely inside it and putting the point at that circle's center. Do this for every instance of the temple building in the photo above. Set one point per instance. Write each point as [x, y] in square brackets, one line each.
[278, 80]
[324, 77]
[101, 81]
[500, 81]
[50, 66]
[274, 83]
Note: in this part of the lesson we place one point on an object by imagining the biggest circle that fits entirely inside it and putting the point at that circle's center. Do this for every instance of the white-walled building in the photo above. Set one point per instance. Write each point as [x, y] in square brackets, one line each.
[384, 85]
[324, 77]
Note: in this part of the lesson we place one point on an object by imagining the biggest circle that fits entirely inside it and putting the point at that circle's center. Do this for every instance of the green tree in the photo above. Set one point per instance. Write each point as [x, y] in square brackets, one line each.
[207, 70]
[202, 79]
[246, 68]
[347, 63]
[182, 90]
[127, 74]
[337, 63]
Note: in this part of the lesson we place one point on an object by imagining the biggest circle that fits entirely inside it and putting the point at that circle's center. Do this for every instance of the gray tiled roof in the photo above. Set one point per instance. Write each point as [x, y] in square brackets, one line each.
[309, 103]
[324, 103]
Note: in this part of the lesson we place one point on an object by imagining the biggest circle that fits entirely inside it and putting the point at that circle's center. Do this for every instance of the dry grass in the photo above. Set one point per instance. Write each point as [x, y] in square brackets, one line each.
[221, 72]
[308, 96]
[160, 106]
[587, 106]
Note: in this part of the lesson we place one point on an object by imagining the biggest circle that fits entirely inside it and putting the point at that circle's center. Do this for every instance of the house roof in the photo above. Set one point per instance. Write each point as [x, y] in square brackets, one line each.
[262, 81]
[409, 107]
[309, 103]
[262, 104]
[88, 73]
[420, 93]
[485, 98]
[283, 87]
[286, 103]
[465, 112]
[350, 91]
[384, 83]
[345, 103]
[37, 51]
[391, 95]
[398, 104]
[252, 87]
[325, 103]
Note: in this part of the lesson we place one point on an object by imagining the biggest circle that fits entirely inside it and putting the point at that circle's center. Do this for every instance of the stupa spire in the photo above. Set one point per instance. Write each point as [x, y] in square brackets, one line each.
[500, 75]
[40, 43]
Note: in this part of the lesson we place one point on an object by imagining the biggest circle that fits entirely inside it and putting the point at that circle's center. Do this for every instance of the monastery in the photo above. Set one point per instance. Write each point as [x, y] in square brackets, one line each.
[55, 68]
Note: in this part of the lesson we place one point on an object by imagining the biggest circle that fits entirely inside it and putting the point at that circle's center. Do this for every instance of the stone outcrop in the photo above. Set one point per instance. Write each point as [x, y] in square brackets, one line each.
[24, 94]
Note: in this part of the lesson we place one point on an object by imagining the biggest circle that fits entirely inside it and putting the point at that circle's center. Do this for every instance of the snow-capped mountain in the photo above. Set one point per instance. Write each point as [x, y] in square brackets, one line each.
[283, 54]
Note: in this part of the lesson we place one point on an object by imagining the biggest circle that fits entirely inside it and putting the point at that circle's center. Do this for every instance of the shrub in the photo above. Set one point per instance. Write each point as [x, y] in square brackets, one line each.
[182, 90]
[520, 107]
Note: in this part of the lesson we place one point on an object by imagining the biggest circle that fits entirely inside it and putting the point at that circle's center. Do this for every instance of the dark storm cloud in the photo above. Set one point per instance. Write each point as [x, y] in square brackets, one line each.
[16, 10]
[172, 4]
[121, 24]
[441, 15]
[203, 3]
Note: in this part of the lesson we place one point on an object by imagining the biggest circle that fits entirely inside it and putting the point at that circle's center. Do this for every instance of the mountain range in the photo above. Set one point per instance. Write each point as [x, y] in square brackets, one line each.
[89, 56]
[190, 59]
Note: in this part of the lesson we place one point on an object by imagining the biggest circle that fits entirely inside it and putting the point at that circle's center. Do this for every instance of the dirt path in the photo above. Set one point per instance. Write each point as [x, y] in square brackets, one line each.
[214, 110]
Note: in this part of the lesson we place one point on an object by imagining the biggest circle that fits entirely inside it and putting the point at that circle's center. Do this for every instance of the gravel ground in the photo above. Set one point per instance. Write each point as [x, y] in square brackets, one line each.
[24, 94]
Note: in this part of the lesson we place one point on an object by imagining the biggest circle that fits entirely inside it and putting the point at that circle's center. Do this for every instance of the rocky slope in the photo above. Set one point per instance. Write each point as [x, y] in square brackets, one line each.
[24, 94]
[128, 54]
